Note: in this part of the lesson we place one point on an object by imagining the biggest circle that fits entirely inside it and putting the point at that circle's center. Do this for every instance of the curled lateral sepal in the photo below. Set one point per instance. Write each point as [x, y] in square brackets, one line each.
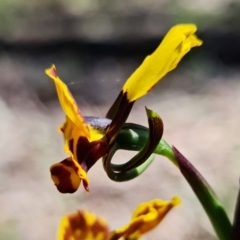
[124, 175]
[236, 221]
[154, 136]
[206, 196]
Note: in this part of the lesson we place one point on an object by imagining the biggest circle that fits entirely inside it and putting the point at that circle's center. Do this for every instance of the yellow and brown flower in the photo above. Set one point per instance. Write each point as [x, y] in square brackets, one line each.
[83, 225]
[87, 141]
[83, 143]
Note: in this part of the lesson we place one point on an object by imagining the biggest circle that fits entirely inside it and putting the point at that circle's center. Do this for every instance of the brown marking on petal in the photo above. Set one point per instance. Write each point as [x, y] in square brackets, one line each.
[64, 172]
[95, 153]
[70, 145]
[61, 173]
[99, 227]
[82, 224]
[89, 152]
[77, 221]
[82, 148]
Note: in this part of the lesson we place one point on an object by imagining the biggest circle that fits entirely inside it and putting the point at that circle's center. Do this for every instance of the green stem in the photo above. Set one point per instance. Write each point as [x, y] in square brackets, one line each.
[206, 196]
[165, 150]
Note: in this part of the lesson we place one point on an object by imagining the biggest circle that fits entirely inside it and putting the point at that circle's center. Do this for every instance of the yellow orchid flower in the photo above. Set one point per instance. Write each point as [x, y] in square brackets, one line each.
[83, 143]
[87, 139]
[83, 225]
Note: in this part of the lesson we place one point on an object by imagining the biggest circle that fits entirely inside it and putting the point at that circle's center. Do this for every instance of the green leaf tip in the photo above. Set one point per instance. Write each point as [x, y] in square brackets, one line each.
[151, 114]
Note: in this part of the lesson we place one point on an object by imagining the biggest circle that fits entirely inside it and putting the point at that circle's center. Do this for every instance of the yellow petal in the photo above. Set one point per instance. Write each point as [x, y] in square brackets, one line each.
[67, 176]
[145, 217]
[83, 225]
[68, 103]
[178, 41]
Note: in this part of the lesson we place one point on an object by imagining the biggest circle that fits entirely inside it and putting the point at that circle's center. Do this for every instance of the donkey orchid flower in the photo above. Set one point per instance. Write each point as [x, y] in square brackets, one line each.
[87, 139]
[85, 225]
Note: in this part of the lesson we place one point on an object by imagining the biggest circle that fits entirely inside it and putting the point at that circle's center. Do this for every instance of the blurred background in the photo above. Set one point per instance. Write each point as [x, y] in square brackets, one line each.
[96, 45]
